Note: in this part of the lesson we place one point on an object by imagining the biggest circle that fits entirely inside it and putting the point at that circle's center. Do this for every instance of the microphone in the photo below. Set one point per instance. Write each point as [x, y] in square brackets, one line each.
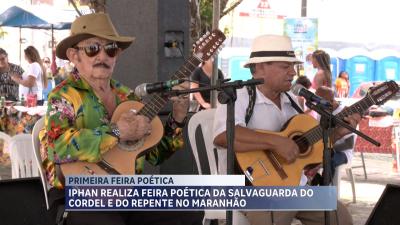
[300, 90]
[148, 88]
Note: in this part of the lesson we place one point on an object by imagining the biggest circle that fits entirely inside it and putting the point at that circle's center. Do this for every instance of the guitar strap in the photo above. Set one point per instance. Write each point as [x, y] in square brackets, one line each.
[252, 101]
[294, 104]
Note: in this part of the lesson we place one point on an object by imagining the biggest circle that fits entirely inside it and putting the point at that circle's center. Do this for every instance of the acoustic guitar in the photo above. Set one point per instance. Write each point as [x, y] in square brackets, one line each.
[121, 159]
[264, 168]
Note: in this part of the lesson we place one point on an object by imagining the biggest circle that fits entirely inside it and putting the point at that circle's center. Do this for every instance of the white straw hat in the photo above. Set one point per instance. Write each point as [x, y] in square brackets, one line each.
[272, 48]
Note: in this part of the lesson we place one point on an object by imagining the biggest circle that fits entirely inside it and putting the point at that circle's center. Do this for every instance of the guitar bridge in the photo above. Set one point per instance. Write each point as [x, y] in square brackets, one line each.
[249, 171]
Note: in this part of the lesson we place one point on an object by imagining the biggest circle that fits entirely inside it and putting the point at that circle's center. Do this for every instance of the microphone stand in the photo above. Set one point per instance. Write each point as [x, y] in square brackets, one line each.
[227, 95]
[327, 123]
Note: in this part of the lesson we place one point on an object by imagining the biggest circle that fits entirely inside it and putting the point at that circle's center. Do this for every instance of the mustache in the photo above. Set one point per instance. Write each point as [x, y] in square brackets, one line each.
[102, 65]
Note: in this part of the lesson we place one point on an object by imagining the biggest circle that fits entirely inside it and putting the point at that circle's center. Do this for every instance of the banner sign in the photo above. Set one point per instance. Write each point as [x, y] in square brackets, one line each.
[121, 193]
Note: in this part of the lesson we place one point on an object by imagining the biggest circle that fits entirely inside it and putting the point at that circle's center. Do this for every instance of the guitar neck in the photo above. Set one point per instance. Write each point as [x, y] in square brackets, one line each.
[157, 101]
[315, 134]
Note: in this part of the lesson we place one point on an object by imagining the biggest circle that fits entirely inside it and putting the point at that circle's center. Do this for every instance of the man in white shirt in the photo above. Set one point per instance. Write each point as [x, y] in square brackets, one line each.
[272, 58]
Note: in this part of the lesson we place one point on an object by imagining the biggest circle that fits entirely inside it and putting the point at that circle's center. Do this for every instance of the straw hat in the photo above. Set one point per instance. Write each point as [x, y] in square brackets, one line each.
[272, 48]
[92, 25]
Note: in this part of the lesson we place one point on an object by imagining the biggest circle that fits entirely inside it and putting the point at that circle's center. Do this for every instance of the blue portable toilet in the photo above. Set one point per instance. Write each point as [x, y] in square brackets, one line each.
[388, 68]
[360, 69]
[236, 69]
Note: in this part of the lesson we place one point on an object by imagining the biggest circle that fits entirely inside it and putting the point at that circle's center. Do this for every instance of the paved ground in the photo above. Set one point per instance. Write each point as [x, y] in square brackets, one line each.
[379, 173]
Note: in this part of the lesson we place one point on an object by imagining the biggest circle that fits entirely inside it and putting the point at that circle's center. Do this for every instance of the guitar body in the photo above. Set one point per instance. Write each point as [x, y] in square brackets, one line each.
[263, 172]
[121, 159]
[264, 168]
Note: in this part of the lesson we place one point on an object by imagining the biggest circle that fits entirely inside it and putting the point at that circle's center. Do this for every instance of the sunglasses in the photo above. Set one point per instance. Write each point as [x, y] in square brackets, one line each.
[92, 50]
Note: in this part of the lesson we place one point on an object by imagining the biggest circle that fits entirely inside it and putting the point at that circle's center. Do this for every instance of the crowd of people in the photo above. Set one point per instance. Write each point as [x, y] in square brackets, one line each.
[80, 111]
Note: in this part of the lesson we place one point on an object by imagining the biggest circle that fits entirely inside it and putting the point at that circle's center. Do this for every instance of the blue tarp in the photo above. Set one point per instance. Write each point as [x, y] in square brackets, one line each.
[18, 17]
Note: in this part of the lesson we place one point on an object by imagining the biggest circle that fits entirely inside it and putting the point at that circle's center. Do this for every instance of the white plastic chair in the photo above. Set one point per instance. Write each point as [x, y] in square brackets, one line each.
[36, 147]
[21, 156]
[206, 161]
[338, 177]
[349, 171]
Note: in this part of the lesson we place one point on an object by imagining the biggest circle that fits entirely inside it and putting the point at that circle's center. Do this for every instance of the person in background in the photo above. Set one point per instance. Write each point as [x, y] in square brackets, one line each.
[78, 123]
[343, 147]
[272, 59]
[47, 65]
[322, 62]
[8, 87]
[305, 82]
[34, 80]
[201, 77]
[342, 85]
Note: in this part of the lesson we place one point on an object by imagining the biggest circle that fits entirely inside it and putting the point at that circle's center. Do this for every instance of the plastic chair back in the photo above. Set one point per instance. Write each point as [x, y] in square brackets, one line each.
[36, 146]
[206, 159]
[22, 157]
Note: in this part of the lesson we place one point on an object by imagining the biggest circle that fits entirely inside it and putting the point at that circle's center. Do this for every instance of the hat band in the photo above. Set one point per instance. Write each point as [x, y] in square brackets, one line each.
[272, 54]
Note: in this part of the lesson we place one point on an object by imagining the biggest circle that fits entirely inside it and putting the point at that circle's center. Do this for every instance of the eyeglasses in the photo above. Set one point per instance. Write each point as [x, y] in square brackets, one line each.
[92, 50]
[46, 61]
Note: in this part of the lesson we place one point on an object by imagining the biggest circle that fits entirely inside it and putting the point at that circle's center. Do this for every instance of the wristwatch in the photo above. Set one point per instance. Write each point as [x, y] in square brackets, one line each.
[115, 130]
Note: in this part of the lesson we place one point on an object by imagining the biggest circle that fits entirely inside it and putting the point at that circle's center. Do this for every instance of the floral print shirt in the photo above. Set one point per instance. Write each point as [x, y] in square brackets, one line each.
[77, 127]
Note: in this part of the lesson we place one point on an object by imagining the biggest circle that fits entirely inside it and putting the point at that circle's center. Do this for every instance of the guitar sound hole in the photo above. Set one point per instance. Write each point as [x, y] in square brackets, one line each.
[302, 143]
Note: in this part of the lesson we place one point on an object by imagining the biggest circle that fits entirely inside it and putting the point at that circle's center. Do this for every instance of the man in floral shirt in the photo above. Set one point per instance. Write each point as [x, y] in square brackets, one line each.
[78, 121]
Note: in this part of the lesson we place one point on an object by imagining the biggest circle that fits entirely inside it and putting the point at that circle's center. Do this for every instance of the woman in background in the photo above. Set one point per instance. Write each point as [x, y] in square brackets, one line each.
[202, 77]
[8, 88]
[34, 80]
[342, 85]
[321, 61]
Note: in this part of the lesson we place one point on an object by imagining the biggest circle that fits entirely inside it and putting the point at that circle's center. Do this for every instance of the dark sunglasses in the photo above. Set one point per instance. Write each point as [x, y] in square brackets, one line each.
[92, 50]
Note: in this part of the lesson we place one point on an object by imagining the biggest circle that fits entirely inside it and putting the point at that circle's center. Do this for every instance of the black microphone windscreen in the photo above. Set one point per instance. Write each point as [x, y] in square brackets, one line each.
[296, 89]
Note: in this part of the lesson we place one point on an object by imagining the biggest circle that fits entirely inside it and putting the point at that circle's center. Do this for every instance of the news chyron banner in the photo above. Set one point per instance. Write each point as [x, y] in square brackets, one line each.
[190, 192]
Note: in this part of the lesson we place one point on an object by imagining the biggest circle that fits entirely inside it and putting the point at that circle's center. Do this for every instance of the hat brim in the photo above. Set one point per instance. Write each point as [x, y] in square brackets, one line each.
[271, 59]
[61, 49]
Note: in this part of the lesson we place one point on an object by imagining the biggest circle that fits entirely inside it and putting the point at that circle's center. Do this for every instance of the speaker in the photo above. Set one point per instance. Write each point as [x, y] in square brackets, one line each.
[161, 29]
[22, 202]
[386, 210]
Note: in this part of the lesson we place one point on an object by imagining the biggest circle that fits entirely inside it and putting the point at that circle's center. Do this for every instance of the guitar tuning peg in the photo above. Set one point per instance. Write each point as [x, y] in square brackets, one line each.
[209, 37]
[220, 39]
[201, 39]
[214, 47]
[207, 33]
[197, 42]
[208, 54]
[213, 34]
[203, 44]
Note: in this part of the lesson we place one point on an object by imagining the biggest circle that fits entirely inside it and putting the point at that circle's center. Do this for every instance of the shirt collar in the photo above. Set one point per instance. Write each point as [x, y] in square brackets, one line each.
[76, 81]
[261, 99]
